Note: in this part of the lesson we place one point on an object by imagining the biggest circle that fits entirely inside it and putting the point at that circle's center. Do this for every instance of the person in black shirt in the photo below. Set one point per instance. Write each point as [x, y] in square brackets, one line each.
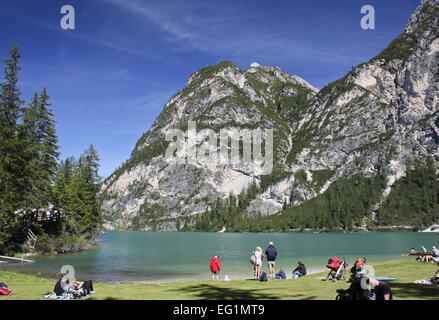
[380, 289]
[357, 291]
[271, 254]
[299, 271]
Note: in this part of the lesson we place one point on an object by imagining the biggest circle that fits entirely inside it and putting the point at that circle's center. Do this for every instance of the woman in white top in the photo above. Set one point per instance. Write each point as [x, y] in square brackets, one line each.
[258, 264]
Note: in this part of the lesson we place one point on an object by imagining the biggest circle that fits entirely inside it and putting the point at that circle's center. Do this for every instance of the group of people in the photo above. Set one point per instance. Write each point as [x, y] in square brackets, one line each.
[65, 288]
[427, 256]
[271, 254]
[360, 284]
[256, 259]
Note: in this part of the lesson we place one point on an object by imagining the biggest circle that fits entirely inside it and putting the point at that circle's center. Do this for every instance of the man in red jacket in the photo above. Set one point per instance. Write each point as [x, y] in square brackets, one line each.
[215, 267]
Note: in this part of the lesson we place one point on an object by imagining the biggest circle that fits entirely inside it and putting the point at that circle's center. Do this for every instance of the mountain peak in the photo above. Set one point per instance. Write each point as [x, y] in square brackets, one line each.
[425, 17]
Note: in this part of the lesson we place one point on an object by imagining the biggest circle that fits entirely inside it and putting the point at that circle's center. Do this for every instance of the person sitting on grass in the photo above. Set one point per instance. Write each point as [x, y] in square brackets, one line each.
[63, 285]
[280, 275]
[357, 291]
[358, 269]
[424, 257]
[300, 271]
[380, 289]
[435, 278]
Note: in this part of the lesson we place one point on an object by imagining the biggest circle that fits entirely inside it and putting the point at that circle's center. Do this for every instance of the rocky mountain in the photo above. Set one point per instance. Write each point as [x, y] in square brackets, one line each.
[380, 119]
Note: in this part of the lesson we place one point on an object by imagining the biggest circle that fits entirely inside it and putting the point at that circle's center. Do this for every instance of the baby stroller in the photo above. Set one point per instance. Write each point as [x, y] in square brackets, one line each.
[337, 267]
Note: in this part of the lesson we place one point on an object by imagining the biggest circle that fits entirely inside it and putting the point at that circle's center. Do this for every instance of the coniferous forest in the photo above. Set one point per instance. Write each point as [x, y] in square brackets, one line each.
[347, 205]
[46, 205]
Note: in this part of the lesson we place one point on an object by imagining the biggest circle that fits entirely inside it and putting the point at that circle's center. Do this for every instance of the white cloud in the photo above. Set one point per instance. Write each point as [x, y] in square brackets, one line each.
[223, 35]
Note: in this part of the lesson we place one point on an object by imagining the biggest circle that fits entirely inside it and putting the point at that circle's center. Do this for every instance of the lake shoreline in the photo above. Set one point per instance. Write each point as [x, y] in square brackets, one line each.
[309, 287]
[158, 257]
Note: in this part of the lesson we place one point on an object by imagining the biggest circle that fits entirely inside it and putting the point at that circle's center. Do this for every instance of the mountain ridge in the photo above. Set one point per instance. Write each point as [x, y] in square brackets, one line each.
[378, 119]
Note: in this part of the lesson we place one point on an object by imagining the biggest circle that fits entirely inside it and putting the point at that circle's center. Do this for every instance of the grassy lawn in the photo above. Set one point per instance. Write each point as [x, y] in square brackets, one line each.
[310, 287]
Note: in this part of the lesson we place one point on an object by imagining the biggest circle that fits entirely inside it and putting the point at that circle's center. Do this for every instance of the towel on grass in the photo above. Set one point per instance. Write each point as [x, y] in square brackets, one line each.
[427, 282]
[66, 295]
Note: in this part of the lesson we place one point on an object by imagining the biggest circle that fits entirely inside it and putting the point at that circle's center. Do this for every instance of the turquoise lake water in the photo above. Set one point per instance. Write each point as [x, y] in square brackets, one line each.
[136, 256]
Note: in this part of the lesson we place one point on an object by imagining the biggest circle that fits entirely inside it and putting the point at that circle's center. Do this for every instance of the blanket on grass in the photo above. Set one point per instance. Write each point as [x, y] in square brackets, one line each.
[426, 282]
[66, 296]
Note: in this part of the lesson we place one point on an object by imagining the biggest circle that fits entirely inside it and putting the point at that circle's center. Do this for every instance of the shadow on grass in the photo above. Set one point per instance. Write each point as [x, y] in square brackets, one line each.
[414, 291]
[211, 292]
[106, 298]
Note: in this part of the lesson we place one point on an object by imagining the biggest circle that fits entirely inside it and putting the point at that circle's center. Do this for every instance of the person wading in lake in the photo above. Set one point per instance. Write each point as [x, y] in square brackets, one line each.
[215, 268]
[271, 253]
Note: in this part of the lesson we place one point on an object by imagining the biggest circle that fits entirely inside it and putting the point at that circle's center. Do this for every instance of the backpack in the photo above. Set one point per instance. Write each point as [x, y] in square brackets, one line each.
[253, 259]
[5, 292]
[264, 277]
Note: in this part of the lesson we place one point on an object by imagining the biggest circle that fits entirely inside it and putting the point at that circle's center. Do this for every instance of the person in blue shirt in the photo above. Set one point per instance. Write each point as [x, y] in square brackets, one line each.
[280, 275]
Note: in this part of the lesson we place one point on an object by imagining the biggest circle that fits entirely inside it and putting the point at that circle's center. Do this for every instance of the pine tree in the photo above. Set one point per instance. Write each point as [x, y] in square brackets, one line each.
[39, 144]
[11, 158]
[48, 146]
[89, 182]
[60, 193]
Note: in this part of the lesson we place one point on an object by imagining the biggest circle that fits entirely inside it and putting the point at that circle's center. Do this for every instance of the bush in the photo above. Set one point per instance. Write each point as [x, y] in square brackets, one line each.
[62, 243]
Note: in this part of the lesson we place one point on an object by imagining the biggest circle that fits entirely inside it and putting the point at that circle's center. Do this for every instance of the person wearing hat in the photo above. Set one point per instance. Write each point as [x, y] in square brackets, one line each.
[380, 289]
[271, 254]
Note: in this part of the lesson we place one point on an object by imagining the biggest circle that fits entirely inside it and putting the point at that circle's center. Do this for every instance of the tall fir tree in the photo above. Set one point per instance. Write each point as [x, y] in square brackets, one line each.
[90, 187]
[48, 148]
[11, 157]
[76, 190]
[37, 136]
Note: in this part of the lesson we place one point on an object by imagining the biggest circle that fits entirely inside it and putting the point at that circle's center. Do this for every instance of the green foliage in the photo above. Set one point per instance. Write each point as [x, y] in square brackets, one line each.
[400, 48]
[226, 212]
[39, 144]
[341, 207]
[414, 199]
[29, 173]
[273, 178]
[320, 177]
[11, 158]
[76, 187]
[64, 242]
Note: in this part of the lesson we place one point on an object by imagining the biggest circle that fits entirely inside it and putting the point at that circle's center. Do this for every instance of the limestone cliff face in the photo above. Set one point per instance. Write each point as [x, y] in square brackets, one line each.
[379, 118]
[148, 188]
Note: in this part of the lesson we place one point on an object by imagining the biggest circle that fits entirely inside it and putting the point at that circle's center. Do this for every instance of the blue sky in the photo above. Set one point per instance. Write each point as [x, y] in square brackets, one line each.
[110, 77]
